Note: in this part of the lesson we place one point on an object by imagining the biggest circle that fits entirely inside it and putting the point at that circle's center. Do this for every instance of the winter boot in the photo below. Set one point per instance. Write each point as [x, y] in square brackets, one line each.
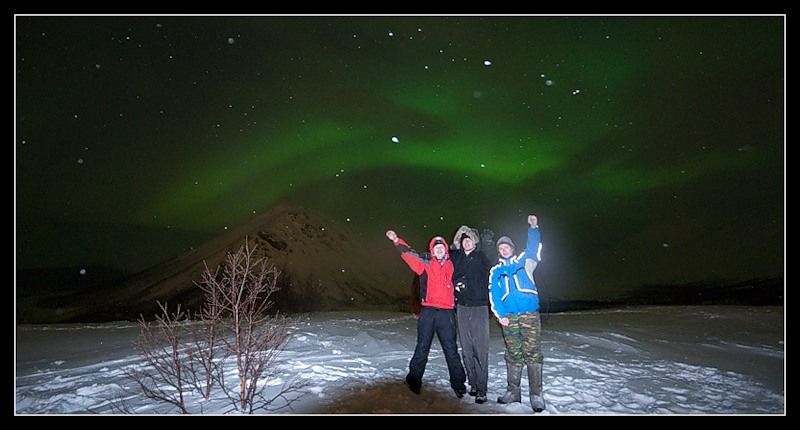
[413, 384]
[535, 382]
[513, 375]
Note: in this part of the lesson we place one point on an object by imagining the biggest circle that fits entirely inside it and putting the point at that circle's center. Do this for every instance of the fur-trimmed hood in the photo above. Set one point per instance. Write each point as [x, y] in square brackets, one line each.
[471, 232]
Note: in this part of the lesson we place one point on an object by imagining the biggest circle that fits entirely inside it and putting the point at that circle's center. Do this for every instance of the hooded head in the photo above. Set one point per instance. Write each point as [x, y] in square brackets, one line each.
[505, 246]
[467, 243]
[438, 248]
[471, 232]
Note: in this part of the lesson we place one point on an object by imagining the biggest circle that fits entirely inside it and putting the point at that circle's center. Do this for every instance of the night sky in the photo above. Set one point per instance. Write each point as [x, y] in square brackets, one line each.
[652, 148]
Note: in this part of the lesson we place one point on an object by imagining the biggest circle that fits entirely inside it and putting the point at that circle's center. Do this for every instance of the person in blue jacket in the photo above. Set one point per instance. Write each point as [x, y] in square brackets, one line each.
[514, 302]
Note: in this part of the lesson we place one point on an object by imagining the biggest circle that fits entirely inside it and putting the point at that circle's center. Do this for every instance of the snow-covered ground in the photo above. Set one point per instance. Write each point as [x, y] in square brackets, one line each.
[637, 360]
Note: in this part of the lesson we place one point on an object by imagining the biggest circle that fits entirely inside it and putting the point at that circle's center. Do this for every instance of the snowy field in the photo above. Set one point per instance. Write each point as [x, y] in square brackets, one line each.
[637, 360]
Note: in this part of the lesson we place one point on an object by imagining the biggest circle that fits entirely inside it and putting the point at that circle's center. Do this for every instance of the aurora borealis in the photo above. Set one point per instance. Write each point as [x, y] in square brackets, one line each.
[652, 147]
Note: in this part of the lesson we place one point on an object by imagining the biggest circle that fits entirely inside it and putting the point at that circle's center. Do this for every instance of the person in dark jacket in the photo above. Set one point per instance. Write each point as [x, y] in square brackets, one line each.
[471, 279]
[515, 302]
[437, 301]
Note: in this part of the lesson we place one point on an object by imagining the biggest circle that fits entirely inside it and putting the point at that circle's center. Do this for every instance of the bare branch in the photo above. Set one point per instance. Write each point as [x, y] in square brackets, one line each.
[161, 377]
[233, 326]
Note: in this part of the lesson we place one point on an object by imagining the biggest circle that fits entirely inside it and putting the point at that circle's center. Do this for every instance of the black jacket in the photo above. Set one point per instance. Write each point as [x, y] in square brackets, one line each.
[473, 272]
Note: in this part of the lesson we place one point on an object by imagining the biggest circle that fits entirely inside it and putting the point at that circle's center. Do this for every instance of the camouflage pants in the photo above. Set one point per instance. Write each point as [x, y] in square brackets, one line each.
[522, 339]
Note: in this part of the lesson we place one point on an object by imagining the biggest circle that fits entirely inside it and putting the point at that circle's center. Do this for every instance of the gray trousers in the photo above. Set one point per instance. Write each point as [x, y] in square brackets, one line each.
[473, 333]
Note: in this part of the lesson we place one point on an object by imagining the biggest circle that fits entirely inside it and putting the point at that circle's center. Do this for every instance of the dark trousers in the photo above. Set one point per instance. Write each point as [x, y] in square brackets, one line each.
[473, 330]
[443, 323]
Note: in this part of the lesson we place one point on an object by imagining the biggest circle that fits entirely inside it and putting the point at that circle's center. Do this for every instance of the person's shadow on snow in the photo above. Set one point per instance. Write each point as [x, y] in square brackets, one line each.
[394, 397]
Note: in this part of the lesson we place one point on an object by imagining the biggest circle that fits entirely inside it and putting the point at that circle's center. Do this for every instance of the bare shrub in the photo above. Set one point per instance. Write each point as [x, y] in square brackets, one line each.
[231, 327]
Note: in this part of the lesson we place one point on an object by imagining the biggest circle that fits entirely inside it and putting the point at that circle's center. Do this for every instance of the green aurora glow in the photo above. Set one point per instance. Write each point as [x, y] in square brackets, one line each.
[654, 131]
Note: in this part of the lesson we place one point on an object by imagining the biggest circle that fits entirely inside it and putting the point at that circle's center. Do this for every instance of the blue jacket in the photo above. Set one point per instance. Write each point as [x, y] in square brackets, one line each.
[511, 290]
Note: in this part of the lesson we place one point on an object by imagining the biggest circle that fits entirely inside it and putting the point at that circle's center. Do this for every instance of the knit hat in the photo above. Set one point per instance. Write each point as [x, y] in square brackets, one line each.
[437, 240]
[506, 240]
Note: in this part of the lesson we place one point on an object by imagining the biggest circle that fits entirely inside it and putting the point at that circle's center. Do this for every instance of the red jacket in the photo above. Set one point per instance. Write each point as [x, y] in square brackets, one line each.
[435, 277]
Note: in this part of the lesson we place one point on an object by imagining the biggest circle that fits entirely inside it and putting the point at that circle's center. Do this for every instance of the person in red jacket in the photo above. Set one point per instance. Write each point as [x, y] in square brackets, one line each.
[437, 314]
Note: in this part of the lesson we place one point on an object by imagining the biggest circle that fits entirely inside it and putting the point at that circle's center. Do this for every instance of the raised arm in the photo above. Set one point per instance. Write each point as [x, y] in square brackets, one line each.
[411, 257]
[533, 249]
